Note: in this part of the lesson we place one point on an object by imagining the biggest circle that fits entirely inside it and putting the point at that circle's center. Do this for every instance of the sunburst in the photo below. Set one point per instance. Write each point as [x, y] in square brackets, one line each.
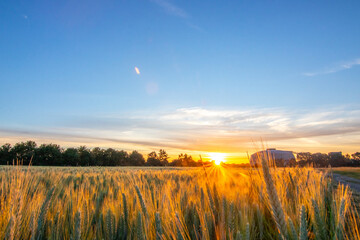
[217, 157]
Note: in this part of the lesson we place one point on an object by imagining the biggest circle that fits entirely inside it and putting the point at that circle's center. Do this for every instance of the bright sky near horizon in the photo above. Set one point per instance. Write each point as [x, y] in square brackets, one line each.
[186, 76]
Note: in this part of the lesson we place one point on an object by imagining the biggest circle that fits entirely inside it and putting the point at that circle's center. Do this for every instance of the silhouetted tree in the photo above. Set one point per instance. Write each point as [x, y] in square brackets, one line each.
[114, 157]
[163, 157]
[320, 159]
[48, 155]
[71, 157]
[122, 158]
[136, 159]
[153, 159]
[98, 155]
[6, 155]
[85, 156]
[109, 156]
[184, 160]
[337, 159]
[24, 151]
[356, 156]
[303, 156]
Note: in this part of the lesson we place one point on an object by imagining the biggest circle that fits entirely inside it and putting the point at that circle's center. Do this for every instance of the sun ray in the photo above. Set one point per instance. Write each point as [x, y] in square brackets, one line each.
[217, 157]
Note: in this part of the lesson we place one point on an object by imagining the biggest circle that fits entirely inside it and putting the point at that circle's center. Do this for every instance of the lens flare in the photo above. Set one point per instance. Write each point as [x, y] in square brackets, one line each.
[217, 157]
[137, 70]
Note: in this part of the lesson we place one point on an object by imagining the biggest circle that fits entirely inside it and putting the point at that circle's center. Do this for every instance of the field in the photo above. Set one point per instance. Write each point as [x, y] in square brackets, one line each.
[173, 203]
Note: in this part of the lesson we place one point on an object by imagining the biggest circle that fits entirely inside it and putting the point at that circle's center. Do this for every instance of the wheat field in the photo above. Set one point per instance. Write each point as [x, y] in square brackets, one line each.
[173, 203]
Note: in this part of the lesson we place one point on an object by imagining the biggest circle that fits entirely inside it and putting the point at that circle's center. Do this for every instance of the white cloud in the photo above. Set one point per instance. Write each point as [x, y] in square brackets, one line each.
[171, 8]
[202, 129]
[334, 69]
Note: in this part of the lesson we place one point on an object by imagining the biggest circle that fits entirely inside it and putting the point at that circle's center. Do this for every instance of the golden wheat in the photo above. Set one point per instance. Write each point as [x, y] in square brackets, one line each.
[173, 203]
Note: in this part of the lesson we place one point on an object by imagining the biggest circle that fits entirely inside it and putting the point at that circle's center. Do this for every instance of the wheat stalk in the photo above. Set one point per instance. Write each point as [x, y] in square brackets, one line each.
[303, 226]
[142, 203]
[277, 210]
[158, 226]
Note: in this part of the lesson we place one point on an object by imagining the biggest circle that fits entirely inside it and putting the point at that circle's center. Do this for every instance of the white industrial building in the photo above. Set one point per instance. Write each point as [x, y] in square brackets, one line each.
[279, 157]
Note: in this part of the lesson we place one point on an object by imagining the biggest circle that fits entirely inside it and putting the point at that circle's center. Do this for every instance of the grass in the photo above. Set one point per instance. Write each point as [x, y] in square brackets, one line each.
[348, 171]
[352, 173]
[173, 203]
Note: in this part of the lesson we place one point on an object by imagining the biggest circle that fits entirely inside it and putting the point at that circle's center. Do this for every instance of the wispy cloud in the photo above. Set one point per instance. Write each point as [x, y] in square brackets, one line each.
[201, 129]
[335, 68]
[171, 8]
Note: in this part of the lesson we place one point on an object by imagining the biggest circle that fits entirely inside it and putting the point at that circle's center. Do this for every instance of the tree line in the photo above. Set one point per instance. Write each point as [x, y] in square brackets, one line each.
[29, 152]
[334, 159]
[54, 155]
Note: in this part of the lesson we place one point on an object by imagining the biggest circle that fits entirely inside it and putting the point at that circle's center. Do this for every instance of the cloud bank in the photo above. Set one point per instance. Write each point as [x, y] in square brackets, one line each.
[208, 130]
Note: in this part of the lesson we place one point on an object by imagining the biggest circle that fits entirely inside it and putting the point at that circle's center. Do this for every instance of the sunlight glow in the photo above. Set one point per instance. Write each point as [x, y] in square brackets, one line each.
[217, 157]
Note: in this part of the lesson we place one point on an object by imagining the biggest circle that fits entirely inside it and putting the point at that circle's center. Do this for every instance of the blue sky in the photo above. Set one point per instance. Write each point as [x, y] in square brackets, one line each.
[214, 75]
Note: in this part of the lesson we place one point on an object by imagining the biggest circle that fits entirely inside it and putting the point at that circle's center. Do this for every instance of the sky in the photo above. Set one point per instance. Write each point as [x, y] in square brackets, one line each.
[186, 76]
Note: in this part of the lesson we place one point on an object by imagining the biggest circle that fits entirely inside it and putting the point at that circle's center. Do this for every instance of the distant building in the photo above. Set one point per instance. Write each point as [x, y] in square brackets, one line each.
[279, 157]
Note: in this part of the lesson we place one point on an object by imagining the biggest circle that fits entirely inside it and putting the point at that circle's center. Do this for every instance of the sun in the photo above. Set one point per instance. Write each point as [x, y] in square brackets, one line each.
[217, 157]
